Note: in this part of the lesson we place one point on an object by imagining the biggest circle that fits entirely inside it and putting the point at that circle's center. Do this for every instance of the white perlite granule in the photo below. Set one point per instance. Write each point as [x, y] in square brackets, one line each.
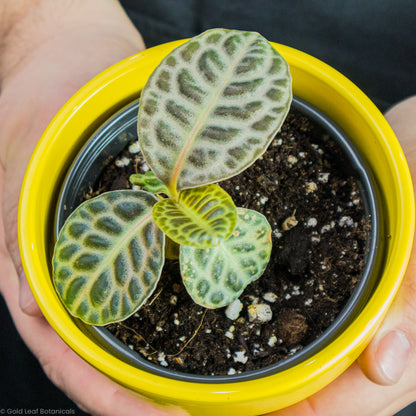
[161, 358]
[261, 312]
[272, 341]
[312, 222]
[263, 200]
[124, 161]
[270, 297]
[326, 228]
[233, 310]
[311, 187]
[134, 148]
[346, 222]
[308, 302]
[292, 159]
[240, 357]
[323, 177]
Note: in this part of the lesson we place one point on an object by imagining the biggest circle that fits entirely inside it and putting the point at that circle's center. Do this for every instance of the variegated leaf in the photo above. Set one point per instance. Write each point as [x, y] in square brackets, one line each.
[201, 217]
[109, 256]
[216, 276]
[148, 182]
[212, 106]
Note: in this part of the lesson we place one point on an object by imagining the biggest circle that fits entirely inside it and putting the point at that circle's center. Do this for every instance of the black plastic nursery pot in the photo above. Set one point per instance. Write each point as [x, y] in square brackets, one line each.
[121, 130]
[108, 106]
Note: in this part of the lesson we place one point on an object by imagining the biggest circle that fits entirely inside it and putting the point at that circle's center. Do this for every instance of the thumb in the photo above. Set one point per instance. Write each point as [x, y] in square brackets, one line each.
[387, 356]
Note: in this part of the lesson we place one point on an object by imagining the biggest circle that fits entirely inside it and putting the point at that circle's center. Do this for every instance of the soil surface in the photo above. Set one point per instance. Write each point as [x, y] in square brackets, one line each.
[319, 241]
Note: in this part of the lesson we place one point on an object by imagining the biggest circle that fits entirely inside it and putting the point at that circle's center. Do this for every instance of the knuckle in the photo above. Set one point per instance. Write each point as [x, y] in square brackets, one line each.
[10, 225]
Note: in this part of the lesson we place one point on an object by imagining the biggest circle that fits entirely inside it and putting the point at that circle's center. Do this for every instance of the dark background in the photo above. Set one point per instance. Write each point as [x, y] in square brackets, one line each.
[372, 42]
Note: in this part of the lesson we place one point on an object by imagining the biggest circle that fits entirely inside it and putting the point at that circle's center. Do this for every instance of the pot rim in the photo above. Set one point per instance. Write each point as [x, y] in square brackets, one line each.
[113, 89]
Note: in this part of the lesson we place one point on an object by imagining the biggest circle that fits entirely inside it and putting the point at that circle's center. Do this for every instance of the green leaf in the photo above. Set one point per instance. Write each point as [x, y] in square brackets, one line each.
[201, 217]
[109, 256]
[212, 107]
[217, 276]
[148, 182]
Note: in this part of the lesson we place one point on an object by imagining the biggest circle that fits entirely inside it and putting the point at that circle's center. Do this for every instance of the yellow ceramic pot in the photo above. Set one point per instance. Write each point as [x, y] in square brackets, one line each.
[314, 82]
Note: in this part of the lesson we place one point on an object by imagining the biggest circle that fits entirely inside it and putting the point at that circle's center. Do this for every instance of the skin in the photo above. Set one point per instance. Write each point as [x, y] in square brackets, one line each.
[48, 50]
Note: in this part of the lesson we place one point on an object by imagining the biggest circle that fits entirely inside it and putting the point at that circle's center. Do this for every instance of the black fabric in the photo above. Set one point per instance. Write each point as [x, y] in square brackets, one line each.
[162, 21]
[372, 42]
[23, 385]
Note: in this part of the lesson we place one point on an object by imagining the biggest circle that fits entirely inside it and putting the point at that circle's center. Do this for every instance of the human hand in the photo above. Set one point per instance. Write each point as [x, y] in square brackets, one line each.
[54, 50]
[383, 381]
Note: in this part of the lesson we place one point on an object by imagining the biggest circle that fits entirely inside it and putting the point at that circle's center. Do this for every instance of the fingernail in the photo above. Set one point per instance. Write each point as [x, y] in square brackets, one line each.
[26, 298]
[393, 353]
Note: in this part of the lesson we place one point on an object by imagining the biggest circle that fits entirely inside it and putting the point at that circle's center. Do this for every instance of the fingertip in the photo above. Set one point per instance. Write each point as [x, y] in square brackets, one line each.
[392, 355]
[129, 403]
[368, 365]
[26, 299]
[385, 359]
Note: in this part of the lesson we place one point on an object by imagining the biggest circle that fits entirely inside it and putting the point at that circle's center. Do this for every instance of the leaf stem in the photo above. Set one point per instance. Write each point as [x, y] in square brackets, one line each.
[173, 191]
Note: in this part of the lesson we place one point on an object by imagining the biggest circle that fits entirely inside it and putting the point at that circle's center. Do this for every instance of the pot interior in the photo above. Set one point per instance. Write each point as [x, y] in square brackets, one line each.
[110, 139]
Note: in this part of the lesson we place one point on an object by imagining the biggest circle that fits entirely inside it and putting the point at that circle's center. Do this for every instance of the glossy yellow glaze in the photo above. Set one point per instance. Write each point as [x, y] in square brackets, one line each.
[316, 83]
